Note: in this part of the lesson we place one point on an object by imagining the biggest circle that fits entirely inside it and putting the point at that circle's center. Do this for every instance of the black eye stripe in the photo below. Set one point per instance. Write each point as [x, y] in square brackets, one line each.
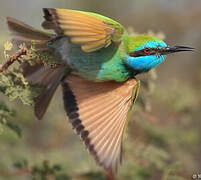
[142, 52]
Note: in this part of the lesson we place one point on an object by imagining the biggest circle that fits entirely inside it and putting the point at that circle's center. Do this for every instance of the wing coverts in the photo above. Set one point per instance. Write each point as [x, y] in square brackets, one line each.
[89, 30]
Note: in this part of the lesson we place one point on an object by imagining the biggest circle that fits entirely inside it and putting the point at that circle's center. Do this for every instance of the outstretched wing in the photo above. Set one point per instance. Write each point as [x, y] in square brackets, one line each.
[89, 30]
[99, 113]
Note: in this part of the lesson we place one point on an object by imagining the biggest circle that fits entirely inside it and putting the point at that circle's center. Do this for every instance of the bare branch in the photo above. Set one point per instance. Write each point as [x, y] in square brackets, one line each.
[13, 58]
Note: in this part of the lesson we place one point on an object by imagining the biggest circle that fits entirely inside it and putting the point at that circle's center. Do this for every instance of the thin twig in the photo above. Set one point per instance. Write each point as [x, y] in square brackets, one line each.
[13, 58]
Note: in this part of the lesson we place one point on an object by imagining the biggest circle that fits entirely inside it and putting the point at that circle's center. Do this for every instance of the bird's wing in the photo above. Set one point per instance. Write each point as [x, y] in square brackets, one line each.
[99, 113]
[89, 30]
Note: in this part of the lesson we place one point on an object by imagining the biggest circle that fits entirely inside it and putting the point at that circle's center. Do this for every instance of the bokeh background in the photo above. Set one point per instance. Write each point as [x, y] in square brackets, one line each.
[164, 135]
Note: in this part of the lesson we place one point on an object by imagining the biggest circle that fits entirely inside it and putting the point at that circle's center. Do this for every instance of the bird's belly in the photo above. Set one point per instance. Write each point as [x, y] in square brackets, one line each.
[104, 74]
[101, 65]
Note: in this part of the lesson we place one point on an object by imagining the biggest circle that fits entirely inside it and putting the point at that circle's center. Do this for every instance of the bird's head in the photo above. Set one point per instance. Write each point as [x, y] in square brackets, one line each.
[144, 52]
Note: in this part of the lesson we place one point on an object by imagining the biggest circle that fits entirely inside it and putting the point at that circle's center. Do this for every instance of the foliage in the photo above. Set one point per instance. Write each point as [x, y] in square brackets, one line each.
[5, 115]
[14, 85]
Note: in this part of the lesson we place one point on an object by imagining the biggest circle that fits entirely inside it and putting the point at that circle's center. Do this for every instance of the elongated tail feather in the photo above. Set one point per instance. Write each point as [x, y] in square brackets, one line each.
[47, 78]
[23, 33]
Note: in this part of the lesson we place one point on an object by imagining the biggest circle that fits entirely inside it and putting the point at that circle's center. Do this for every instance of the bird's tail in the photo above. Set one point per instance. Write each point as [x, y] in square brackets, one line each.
[48, 78]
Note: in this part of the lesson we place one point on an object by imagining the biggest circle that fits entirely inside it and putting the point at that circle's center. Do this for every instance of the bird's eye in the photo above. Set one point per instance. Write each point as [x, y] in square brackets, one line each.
[147, 50]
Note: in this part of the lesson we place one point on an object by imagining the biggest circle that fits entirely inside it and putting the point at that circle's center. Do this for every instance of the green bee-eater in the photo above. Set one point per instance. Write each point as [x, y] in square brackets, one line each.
[98, 64]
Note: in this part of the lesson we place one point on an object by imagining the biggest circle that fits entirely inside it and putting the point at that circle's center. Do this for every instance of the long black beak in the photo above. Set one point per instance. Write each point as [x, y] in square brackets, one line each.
[173, 49]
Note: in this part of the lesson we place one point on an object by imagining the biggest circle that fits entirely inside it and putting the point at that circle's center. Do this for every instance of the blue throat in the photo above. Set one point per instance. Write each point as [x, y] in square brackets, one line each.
[146, 63]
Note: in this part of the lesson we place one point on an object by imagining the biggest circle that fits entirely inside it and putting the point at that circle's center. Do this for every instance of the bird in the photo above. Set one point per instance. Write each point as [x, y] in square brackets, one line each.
[98, 64]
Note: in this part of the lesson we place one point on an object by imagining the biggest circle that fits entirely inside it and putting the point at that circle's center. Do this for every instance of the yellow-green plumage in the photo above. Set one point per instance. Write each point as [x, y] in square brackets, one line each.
[104, 44]
[98, 64]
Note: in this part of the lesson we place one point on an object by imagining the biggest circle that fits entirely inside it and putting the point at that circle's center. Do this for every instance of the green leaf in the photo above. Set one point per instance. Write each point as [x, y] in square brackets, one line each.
[14, 85]
[5, 119]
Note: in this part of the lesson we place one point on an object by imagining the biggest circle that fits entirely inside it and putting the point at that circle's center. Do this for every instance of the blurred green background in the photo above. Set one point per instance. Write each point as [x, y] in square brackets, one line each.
[163, 140]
